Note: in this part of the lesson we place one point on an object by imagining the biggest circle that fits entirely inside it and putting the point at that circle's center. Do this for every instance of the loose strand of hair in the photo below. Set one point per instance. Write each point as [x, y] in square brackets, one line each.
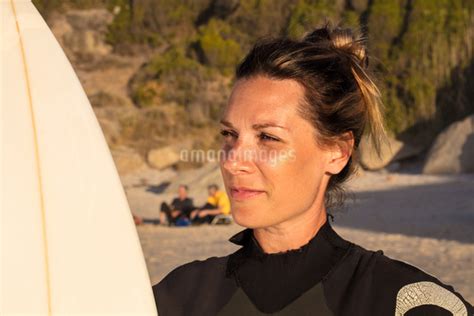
[373, 100]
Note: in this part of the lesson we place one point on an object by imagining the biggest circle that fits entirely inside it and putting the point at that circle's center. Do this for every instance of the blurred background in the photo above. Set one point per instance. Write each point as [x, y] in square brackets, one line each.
[158, 73]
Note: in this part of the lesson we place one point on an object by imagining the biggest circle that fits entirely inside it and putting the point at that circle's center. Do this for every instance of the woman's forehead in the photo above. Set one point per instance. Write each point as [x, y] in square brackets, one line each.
[266, 91]
[264, 100]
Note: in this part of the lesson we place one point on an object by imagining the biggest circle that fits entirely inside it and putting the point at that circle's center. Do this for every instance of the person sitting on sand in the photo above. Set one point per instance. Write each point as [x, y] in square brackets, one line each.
[180, 207]
[217, 203]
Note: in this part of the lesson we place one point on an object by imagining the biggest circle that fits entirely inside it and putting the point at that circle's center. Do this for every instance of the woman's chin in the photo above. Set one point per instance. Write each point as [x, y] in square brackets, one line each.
[250, 218]
[245, 217]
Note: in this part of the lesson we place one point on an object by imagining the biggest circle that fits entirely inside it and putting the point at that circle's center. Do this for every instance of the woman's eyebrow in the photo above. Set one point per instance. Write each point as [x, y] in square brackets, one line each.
[226, 123]
[268, 124]
[255, 126]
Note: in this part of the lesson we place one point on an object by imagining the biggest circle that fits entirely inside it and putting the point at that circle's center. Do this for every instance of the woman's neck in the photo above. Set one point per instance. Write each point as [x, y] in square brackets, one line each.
[291, 234]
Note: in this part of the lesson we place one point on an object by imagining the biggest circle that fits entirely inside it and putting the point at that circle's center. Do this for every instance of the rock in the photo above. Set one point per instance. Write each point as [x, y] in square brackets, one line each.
[391, 152]
[453, 150]
[127, 160]
[162, 158]
[407, 151]
[368, 157]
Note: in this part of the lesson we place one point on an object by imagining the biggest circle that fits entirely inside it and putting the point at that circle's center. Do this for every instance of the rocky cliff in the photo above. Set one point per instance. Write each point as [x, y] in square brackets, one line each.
[158, 72]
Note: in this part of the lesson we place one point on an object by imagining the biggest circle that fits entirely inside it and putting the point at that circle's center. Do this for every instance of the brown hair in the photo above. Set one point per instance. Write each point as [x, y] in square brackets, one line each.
[340, 96]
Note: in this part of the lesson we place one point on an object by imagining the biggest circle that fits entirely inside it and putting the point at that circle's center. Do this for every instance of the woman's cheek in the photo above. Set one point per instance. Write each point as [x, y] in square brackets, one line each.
[283, 172]
[281, 158]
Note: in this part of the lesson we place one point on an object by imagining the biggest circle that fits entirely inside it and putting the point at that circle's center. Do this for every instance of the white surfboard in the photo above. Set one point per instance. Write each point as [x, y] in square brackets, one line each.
[68, 242]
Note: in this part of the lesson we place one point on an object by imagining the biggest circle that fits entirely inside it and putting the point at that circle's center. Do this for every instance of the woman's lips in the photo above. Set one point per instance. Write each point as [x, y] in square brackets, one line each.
[243, 194]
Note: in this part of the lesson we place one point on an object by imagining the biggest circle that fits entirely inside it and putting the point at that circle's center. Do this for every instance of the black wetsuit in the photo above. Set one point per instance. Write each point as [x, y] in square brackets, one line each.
[327, 276]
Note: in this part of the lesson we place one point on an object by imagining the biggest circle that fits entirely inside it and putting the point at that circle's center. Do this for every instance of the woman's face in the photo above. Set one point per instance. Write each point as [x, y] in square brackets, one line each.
[273, 168]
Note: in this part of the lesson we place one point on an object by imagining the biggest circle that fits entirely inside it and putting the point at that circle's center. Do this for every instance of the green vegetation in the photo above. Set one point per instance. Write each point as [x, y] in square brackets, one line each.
[169, 77]
[218, 49]
[418, 48]
[152, 22]
[419, 45]
[306, 14]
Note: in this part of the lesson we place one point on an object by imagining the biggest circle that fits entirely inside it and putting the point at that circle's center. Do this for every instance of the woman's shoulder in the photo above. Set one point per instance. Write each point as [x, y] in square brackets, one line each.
[387, 284]
[201, 281]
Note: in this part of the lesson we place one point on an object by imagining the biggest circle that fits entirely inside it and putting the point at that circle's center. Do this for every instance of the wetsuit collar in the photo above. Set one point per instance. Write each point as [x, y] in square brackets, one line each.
[252, 249]
[273, 280]
[246, 237]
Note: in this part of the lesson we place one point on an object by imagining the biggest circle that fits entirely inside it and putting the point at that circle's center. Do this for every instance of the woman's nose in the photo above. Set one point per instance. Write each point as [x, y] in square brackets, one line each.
[239, 159]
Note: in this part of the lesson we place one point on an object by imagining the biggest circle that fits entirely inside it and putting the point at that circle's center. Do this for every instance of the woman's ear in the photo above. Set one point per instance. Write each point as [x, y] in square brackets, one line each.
[339, 153]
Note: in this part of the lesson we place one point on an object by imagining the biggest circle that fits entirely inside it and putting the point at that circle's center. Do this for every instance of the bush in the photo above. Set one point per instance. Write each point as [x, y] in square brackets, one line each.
[307, 14]
[416, 47]
[217, 47]
[169, 77]
[152, 23]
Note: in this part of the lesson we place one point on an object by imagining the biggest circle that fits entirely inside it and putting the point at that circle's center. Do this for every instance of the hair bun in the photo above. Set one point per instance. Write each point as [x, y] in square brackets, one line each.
[343, 39]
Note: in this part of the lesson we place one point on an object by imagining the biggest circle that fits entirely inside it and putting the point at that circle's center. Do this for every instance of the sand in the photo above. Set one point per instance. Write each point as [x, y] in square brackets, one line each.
[427, 221]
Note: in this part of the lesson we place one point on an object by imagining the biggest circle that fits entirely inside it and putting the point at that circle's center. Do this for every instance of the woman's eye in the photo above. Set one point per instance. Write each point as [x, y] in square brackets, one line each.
[267, 137]
[226, 133]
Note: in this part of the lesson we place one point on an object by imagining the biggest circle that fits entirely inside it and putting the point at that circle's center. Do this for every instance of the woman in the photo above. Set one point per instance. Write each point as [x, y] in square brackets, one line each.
[296, 114]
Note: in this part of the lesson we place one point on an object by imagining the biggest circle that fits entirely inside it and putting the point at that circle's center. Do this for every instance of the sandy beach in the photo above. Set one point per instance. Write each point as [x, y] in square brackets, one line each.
[427, 221]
